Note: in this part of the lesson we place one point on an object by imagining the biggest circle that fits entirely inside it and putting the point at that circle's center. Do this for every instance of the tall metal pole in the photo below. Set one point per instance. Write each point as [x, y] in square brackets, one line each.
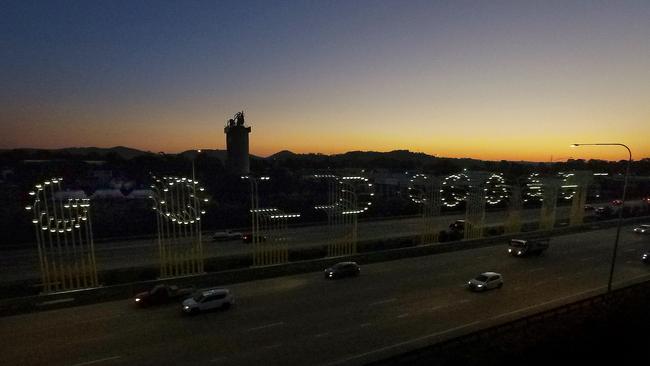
[620, 211]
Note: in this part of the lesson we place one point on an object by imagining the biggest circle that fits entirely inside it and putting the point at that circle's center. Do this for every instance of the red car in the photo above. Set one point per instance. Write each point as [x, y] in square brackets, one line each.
[617, 202]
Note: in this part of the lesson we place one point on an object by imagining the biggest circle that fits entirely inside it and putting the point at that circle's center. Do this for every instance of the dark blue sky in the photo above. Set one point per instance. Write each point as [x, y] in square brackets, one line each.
[105, 72]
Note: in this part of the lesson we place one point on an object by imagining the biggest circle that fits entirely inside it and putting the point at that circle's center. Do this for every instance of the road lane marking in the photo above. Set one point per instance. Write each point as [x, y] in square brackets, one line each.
[438, 307]
[402, 315]
[517, 288]
[218, 359]
[97, 361]
[547, 302]
[539, 283]
[319, 335]
[396, 345]
[383, 301]
[273, 346]
[365, 325]
[463, 301]
[265, 326]
[535, 269]
[54, 302]
[630, 250]
[587, 259]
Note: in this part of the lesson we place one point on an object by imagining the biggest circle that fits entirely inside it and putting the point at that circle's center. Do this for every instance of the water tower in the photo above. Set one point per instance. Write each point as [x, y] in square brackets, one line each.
[237, 161]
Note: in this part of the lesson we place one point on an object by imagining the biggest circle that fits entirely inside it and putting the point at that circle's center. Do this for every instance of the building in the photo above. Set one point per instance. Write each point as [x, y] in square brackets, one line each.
[237, 160]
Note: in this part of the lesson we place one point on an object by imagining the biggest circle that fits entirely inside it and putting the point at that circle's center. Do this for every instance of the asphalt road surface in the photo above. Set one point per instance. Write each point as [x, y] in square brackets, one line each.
[307, 320]
[23, 263]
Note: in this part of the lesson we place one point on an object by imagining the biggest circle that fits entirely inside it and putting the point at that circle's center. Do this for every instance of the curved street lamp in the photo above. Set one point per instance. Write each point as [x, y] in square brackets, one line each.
[620, 212]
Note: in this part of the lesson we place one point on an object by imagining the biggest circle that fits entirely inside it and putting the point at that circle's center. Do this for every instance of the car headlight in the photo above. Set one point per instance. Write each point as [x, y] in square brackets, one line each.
[137, 299]
[519, 252]
[331, 274]
[509, 250]
[186, 307]
[479, 286]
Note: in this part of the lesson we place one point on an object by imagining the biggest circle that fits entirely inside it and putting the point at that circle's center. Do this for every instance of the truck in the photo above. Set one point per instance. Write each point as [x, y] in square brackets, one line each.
[162, 294]
[526, 247]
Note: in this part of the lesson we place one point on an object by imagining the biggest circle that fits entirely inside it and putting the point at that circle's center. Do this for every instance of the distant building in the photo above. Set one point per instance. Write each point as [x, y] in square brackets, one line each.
[237, 161]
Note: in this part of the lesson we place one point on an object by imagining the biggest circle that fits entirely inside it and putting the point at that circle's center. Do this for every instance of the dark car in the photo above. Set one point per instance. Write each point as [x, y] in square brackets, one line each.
[458, 226]
[645, 258]
[342, 269]
[162, 294]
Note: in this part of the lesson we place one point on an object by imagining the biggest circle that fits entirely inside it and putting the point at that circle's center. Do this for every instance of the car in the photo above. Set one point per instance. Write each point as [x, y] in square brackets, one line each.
[589, 208]
[604, 212]
[342, 269]
[617, 202]
[161, 294]
[485, 281]
[226, 235]
[642, 229]
[458, 225]
[209, 299]
[645, 258]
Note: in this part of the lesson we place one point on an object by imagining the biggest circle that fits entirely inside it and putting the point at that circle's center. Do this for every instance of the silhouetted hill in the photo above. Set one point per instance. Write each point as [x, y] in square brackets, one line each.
[121, 151]
[396, 159]
[282, 155]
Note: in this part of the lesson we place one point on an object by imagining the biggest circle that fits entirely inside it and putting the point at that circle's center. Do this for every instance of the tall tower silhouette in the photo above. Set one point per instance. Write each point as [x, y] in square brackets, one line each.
[237, 161]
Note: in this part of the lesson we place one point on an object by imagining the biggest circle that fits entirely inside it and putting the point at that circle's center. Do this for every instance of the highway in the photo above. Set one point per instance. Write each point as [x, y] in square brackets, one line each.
[307, 320]
[23, 263]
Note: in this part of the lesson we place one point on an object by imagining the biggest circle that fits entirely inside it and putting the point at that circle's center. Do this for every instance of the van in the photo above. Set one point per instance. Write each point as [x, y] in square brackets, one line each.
[525, 247]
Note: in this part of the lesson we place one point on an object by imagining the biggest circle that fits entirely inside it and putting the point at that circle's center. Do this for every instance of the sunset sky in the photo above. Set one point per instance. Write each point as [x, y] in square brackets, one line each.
[517, 80]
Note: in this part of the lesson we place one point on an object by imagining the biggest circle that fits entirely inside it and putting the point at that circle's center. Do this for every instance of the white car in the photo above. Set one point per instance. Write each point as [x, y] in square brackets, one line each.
[485, 281]
[642, 229]
[218, 298]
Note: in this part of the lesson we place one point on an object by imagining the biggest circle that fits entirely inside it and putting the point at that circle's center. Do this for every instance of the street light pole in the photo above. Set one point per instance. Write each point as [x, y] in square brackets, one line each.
[620, 212]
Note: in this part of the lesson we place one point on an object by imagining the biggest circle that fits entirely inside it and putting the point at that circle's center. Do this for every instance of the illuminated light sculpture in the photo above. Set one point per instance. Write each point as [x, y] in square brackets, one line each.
[64, 238]
[549, 204]
[348, 196]
[425, 192]
[475, 212]
[454, 189]
[513, 217]
[269, 229]
[581, 181]
[496, 190]
[177, 203]
[271, 246]
[534, 189]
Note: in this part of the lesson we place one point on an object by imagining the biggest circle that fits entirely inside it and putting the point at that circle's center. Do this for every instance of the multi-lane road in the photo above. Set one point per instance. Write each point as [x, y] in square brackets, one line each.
[23, 263]
[307, 320]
